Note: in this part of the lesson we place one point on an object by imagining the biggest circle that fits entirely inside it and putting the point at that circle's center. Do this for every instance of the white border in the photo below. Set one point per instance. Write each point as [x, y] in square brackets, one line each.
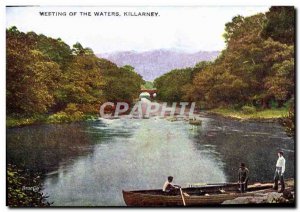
[152, 2]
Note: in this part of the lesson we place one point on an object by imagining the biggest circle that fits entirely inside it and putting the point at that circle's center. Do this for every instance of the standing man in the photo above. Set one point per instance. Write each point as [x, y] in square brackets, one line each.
[243, 177]
[280, 169]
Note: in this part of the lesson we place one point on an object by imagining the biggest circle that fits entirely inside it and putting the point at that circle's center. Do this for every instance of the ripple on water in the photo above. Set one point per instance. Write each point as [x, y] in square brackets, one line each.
[94, 161]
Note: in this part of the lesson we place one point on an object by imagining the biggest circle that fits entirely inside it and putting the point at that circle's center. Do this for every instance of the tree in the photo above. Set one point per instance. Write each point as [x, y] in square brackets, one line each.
[79, 50]
[55, 49]
[83, 81]
[45, 76]
[232, 28]
[255, 67]
[128, 68]
[170, 85]
[148, 85]
[121, 84]
[31, 77]
[280, 24]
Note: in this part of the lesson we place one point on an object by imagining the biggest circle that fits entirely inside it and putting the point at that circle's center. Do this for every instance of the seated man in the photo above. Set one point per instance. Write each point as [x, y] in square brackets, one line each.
[169, 188]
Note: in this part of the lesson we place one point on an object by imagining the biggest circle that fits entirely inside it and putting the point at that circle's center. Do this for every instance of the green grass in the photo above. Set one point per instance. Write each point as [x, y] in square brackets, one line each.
[260, 114]
[47, 119]
[20, 121]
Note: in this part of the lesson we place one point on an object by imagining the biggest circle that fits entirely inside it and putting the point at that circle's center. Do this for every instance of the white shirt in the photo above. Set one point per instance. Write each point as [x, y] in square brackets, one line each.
[281, 163]
[165, 185]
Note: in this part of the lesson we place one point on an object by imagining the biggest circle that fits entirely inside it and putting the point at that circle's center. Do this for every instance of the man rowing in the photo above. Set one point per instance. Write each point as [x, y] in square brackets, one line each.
[169, 188]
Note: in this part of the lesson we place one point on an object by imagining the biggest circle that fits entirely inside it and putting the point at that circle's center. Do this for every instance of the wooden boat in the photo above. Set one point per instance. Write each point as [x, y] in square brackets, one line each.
[192, 196]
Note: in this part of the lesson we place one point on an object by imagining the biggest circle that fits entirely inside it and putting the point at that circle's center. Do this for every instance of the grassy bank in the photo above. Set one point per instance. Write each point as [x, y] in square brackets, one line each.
[70, 114]
[47, 119]
[274, 113]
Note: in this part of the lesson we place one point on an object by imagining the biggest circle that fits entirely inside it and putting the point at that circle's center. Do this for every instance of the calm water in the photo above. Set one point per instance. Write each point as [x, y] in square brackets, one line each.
[89, 163]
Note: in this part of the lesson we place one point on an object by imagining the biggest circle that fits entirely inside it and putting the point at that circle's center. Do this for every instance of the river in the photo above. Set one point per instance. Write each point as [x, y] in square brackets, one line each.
[89, 163]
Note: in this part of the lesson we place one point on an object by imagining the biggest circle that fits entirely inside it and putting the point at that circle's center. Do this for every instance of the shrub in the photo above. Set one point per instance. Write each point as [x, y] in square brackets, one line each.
[289, 121]
[24, 188]
[58, 117]
[71, 113]
[248, 109]
[76, 116]
[89, 108]
[71, 108]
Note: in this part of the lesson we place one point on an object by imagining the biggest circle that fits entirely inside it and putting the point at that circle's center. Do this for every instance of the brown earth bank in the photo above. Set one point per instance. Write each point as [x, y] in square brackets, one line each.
[270, 196]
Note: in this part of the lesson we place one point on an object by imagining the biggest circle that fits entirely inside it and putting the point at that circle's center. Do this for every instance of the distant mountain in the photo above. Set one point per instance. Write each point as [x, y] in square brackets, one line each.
[151, 64]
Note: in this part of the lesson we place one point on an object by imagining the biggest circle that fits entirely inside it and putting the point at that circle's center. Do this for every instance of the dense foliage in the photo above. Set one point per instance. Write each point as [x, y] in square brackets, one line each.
[24, 188]
[45, 75]
[174, 85]
[148, 85]
[256, 68]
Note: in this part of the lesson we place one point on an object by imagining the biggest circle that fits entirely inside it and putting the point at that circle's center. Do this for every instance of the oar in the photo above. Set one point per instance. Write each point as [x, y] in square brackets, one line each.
[212, 184]
[182, 196]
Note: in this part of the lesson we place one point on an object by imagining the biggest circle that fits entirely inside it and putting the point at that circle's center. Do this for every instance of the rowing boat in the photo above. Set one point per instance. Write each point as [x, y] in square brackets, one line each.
[192, 196]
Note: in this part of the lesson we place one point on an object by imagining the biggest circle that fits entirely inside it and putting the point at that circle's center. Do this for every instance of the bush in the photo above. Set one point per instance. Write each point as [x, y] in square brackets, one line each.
[77, 116]
[248, 109]
[71, 108]
[289, 121]
[24, 188]
[70, 114]
[58, 117]
[89, 108]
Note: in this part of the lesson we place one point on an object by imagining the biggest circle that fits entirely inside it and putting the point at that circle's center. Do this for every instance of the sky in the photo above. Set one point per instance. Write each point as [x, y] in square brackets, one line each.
[188, 29]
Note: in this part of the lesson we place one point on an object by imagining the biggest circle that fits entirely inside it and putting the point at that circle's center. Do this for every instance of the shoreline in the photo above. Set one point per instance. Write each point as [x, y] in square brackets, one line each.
[237, 118]
[12, 122]
[266, 116]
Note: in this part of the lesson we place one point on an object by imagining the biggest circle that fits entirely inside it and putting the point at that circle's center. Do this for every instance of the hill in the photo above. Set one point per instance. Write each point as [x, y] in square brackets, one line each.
[151, 64]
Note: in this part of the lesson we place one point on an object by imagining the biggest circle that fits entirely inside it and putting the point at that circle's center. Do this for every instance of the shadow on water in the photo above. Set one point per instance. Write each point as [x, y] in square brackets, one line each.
[253, 143]
[89, 163]
[44, 147]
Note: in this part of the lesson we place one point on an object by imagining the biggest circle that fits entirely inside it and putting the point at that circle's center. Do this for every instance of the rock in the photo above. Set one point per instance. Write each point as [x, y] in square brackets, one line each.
[288, 195]
[245, 200]
[273, 197]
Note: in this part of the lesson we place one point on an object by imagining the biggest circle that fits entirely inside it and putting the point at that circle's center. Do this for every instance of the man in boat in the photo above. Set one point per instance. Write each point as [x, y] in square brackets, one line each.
[169, 187]
[243, 177]
[280, 169]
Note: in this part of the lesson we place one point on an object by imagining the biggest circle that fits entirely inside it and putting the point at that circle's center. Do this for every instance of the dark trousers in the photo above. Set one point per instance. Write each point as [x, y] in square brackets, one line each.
[243, 186]
[172, 192]
[279, 176]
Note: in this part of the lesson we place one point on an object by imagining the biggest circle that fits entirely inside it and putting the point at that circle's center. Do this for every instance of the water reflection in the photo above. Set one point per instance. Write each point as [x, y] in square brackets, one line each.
[156, 149]
[256, 144]
[44, 147]
[88, 164]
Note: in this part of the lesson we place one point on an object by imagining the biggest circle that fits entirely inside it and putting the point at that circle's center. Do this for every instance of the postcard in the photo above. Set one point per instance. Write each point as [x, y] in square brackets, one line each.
[150, 106]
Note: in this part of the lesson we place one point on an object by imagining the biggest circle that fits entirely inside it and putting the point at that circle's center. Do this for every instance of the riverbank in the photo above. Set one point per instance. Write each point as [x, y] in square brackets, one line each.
[268, 197]
[67, 149]
[56, 118]
[268, 115]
